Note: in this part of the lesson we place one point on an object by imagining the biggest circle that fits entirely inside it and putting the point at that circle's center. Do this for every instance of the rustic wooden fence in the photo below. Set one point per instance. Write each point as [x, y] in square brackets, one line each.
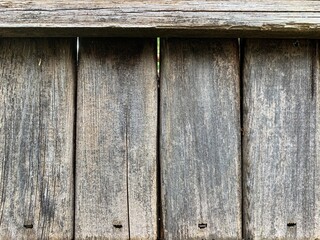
[223, 143]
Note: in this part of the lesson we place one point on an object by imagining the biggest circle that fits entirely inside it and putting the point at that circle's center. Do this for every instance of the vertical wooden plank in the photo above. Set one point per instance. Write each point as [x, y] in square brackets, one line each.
[116, 139]
[281, 142]
[36, 138]
[200, 139]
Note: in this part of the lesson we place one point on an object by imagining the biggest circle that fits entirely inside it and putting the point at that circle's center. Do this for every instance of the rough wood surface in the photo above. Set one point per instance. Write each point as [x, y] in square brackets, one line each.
[200, 139]
[281, 139]
[160, 18]
[116, 139]
[36, 138]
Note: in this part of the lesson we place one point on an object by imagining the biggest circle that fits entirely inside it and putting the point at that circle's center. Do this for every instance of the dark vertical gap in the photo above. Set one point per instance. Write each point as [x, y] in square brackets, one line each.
[158, 57]
[127, 169]
[76, 72]
[241, 72]
[315, 80]
[159, 198]
[314, 67]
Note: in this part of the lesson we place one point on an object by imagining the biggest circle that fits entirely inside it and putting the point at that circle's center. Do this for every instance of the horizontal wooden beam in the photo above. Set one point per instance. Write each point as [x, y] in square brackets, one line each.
[161, 18]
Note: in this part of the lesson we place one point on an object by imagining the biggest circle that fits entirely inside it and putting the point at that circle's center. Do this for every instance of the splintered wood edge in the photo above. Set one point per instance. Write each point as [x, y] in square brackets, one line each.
[235, 18]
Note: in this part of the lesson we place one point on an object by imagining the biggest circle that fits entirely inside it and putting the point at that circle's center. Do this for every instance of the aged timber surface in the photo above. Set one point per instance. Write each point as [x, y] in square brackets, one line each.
[235, 18]
[36, 138]
[281, 139]
[200, 139]
[116, 139]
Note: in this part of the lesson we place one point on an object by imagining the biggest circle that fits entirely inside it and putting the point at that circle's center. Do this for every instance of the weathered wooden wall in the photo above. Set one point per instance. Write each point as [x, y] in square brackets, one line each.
[200, 139]
[224, 144]
[165, 18]
[37, 86]
[116, 190]
[281, 139]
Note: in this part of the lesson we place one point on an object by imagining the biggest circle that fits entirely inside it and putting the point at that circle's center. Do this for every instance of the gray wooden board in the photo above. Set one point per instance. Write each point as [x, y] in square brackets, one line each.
[160, 18]
[116, 139]
[37, 79]
[200, 139]
[281, 139]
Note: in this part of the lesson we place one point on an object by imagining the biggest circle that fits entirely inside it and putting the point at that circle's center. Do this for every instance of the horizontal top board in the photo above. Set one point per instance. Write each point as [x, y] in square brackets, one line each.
[235, 18]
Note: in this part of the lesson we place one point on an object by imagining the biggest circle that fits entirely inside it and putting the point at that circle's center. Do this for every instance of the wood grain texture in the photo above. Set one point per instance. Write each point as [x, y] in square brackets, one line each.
[200, 139]
[281, 139]
[233, 18]
[36, 138]
[116, 139]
